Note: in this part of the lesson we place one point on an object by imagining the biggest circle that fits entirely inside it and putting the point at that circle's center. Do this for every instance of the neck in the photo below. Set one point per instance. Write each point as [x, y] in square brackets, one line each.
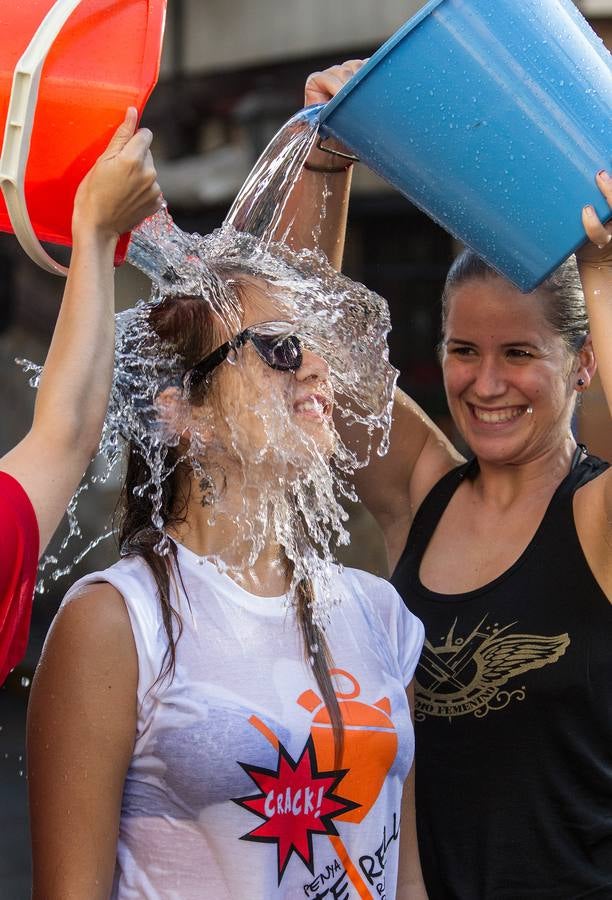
[503, 484]
[212, 530]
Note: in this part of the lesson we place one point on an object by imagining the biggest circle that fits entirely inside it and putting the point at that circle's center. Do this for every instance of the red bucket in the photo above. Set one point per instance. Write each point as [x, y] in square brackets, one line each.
[95, 58]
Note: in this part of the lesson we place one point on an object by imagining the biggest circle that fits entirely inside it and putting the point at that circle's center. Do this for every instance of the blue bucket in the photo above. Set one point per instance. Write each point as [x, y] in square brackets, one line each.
[493, 116]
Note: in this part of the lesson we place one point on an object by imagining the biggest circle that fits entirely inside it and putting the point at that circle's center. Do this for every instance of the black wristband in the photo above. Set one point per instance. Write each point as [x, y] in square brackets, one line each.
[325, 170]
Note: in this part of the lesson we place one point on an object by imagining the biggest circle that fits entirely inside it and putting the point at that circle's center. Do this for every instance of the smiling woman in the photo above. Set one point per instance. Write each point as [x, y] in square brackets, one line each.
[507, 562]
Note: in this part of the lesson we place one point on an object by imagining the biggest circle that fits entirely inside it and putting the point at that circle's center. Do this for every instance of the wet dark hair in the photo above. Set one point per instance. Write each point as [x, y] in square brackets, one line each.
[189, 328]
[565, 309]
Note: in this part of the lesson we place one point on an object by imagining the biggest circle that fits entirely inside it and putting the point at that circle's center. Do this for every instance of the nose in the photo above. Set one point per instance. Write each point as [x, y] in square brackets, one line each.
[489, 379]
[313, 368]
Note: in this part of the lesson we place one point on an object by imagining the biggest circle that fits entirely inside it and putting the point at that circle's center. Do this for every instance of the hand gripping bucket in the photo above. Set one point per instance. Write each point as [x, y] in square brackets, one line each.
[68, 71]
[493, 116]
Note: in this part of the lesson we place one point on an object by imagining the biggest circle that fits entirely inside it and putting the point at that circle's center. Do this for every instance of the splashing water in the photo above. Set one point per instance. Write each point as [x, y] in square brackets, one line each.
[267, 468]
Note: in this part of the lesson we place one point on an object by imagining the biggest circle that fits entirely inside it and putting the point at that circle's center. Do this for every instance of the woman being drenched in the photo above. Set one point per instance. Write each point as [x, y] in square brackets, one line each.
[224, 713]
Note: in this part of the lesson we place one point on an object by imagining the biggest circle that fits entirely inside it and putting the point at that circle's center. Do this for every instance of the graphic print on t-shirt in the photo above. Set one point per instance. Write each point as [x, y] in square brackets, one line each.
[306, 797]
[464, 675]
[295, 802]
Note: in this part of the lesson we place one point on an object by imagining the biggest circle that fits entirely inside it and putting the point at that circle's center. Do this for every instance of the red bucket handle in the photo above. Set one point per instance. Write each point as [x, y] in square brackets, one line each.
[18, 131]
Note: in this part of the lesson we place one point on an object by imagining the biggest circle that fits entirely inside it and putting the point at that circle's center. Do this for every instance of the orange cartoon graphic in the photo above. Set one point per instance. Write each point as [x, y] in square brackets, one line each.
[370, 743]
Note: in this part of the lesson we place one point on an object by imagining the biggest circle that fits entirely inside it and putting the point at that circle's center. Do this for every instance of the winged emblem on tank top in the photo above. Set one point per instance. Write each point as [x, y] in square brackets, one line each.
[463, 676]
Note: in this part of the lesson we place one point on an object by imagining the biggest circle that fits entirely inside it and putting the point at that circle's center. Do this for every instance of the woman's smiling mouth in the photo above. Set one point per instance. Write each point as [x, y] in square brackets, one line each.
[499, 415]
[314, 406]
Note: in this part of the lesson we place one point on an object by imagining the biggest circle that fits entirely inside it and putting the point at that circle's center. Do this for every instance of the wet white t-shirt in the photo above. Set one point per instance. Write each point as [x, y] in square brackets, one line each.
[232, 792]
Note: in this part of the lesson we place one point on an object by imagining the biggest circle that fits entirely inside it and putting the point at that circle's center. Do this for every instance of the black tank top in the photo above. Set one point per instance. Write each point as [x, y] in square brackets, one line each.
[514, 716]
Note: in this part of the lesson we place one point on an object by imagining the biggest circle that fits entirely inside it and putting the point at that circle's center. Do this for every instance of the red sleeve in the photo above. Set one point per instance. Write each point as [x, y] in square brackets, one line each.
[19, 542]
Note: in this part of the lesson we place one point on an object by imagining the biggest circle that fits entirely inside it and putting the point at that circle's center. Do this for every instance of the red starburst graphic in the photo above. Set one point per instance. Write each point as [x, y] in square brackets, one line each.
[295, 802]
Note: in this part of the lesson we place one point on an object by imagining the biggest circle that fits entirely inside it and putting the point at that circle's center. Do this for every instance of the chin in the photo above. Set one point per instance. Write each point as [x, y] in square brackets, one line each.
[323, 434]
[500, 452]
[308, 441]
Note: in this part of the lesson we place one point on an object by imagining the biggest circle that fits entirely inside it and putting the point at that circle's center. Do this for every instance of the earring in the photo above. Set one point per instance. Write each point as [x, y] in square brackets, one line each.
[580, 382]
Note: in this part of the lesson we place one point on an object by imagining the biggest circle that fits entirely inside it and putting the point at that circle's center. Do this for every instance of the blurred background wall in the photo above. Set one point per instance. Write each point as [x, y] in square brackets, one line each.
[233, 71]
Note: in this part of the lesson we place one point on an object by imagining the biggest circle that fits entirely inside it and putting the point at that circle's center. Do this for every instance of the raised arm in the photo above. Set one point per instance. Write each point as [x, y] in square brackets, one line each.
[595, 267]
[49, 462]
[318, 206]
[81, 731]
[392, 487]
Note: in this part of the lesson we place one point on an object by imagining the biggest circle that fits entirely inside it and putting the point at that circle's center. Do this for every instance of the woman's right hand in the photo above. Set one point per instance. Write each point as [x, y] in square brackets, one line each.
[595, 267]
[320, 88]
[597, 253]
[121, 188]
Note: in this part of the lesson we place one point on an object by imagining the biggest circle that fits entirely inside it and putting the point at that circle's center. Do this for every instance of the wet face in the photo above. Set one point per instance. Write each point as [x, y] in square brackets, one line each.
[509, 377]
[269, 414]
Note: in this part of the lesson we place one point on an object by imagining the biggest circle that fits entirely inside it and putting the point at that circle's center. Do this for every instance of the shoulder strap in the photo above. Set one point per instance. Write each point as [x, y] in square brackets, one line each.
[584, 471]
[430, 511]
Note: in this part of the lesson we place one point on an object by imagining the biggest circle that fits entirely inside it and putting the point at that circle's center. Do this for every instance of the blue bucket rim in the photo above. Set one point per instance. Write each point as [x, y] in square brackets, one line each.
[376, 57]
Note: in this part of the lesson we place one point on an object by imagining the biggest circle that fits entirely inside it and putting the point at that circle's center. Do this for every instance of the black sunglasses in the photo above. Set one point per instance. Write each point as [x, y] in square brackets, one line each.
[274, 342]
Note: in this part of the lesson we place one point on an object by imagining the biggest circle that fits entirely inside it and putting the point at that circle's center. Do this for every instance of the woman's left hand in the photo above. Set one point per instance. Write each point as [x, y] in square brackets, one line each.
[598, 251]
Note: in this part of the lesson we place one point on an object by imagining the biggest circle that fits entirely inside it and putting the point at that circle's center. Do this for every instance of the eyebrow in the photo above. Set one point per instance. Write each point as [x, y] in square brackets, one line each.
[506, 344]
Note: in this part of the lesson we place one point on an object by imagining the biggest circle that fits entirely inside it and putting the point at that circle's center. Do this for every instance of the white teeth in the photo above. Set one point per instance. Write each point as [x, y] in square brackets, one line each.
[310, 404]
[493, 417]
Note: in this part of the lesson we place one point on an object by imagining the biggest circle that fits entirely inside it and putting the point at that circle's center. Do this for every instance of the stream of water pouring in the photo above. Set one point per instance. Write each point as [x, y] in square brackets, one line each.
[261, 201]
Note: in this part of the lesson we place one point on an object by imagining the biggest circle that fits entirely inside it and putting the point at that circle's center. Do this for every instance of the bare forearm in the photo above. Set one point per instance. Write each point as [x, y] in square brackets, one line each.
[595, 267]
[597, 285]
[75, 383]
[71, 404]
[119, 191]
[317, 210]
